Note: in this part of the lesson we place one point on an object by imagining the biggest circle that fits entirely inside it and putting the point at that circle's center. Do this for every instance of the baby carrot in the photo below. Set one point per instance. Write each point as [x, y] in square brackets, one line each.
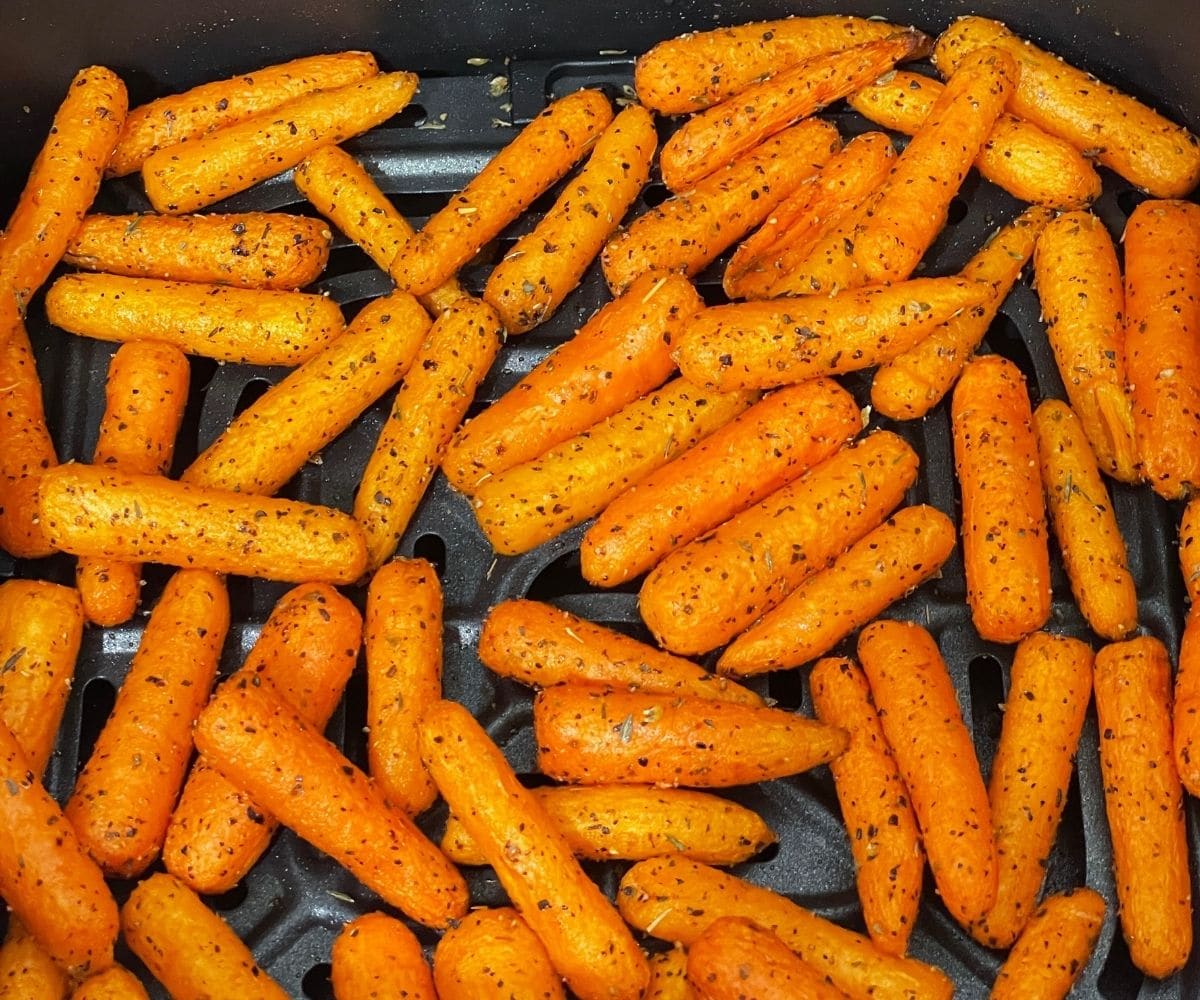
[376, 956]
[27, 972]
[919, 713]
[106, 515]
[584, 937]
[1054, 948]
[115, 983]
[145, 396]
[880, 568]
[1003, 518]
[541, 154]
[668, 976]
[543, 267]
[1186, 714]
[1048, 695]
[493, 955]
[876, 808]
[828, 266]
[192, 175]
[541, 646]
[619, 355]
[708, 591]
[765, 448]
[1144, 803]
[1081, 513]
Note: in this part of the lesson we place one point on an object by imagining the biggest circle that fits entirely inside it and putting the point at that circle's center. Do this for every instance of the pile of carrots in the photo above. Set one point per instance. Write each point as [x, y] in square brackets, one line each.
[713, 451]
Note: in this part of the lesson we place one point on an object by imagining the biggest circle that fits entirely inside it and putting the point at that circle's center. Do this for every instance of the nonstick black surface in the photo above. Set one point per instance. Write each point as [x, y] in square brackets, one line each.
[294, 902]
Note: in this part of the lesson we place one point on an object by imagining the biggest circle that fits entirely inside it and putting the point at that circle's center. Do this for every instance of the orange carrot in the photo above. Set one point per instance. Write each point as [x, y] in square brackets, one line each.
[377, 956]
[705, 593]
[1054, 949]
[1187, 677]
[1144, 803]
[145, 396]
[1003, 517]
[828, 266]
[765, 448]
[112, 984]
[668, 976]
[27, 972]
[541, 154]
[493, 955]
[919, 713]
[584, 937]
[876, 808]
[541, 646]
[543, 267]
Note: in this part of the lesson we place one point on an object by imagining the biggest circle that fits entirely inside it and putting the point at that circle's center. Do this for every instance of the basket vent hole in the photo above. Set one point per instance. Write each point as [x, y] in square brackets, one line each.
[99, 696]
[433, 549]
[1067, 866]
[316, 982]
[230, 900]
[562, 576]
[412, 116]
[1129, 199]
[987, 695]
[354, 720]
[1119, 979]
[1004, 337]
[655, 194]
[786, 689]
[252, 392]
[957, 212]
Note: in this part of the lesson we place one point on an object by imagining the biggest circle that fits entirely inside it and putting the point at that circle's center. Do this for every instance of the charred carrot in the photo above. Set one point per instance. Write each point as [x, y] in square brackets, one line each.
[1144, 803]
[247, 325]
[688, 232]
[1003, 518]
[193, 175]
[541, 646]
[668, 976]
[584, 937]
[377, 956]
[880, 568]
[1081, 513]
[27, 972]
[1054, 948]
[145, 396]
[876, 808]
[757, 345]
[1099, 120]
[543, 152]
[705, 593]
[768, 446]
[675, 899]
[543, 267]
[106, 515]
[493, 955]
[919, 713]
[112, 984]
[1029, 163]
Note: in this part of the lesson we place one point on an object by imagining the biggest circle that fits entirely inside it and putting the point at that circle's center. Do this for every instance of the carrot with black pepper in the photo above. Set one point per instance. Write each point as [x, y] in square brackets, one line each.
[1186, 713]
[1054, 948]
[377, 956]
[27, 972]
[116, 983]
[493, 955]
[668, 976]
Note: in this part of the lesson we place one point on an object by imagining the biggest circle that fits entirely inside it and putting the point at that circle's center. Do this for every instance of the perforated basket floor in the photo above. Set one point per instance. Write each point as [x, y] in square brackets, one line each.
[294, 902]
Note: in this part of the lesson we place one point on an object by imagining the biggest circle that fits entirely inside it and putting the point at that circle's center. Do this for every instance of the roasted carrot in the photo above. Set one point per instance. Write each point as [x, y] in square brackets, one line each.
[701, 68]
[668, 976]
[1186, 714]
[765, 448]
[876, 808]
[810, 213]
[404, 677]
[877, 570]
[1144, 803]
[62, 183]
[307, 650]
[1162, 342]
[757, 345]
[112, 984]
[675, 899]
[1054, 948]
[493, 955]
[543, 152]
[107, 515]
[912, 204]
[914, 382]
[688, 232]
[27, 972]
[919, 713]
[1003, 518]
[705, 593]
[208, 168]
[631, 822]
[434, 395]
[188, 948]
[247, 325]
[1081, 513]
[178, 118]
[376, 956]
[1099, 120]
[46, 878]
[343, 192]
[620, 354]
[592, 736]
[123, 798]
[541, 646]
[250, 250]
[584, 937]
[1048, 694]
[719, 135]
[41, 627]
[543, 267]
[269, 441]
[828, 267]
[145, 396]
[1030, 164]
[532, 503]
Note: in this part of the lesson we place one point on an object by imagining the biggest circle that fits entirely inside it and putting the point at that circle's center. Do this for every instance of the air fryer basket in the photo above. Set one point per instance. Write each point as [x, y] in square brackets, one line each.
[294, 902]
